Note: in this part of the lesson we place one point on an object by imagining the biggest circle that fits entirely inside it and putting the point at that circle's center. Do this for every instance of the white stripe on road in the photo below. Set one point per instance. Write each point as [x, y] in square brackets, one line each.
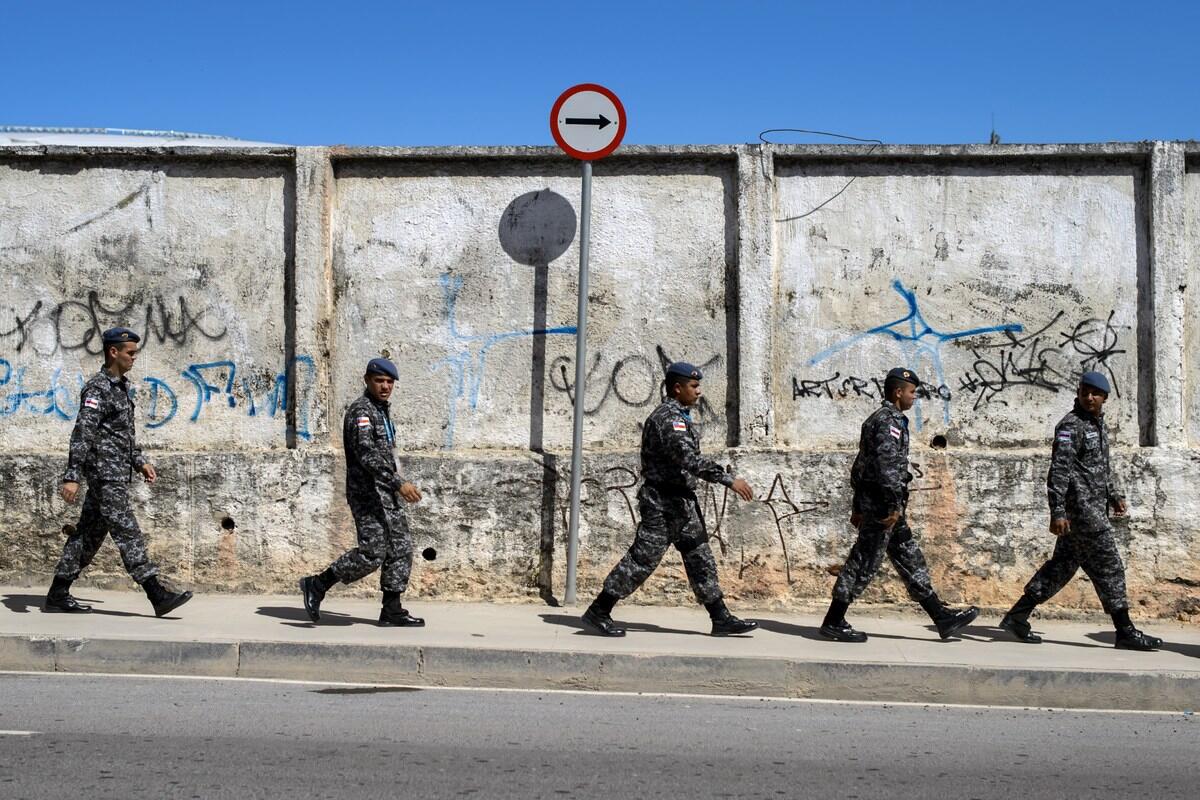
[603, 693]
[18, 733]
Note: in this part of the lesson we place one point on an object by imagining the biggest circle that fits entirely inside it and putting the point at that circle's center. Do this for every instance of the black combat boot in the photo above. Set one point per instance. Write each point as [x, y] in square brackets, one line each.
[163, 599]
[835, 627]
[1016, 621]
[313, 589]
[393, 615]
[599, 615]
[947, 620]
[1129, 637]
[725, 623]
[59, 600]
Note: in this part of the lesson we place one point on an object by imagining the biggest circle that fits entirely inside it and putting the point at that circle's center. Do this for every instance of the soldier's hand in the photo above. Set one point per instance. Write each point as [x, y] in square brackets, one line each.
[891, 519]
[409, 492]
[742, 489]
[1119, 508]
[855, 519]
[148, 473]
[1060, 527]
[69, 491]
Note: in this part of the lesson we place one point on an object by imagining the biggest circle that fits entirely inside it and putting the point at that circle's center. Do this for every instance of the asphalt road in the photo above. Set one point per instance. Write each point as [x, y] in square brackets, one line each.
[132, 737]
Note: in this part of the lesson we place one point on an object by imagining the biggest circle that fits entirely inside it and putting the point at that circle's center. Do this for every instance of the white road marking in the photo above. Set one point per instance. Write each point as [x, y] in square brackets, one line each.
[19, 733]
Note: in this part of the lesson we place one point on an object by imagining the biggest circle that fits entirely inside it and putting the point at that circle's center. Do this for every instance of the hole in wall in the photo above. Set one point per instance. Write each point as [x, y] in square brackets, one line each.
[938, 442]
[69, 529]
[227, 523]
[429, 554]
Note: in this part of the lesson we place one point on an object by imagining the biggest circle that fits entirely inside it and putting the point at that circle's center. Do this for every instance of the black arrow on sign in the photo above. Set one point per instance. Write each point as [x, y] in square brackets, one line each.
[601, 121]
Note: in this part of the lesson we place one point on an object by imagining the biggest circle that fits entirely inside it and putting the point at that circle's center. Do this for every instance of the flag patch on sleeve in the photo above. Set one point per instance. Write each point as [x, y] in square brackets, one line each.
[894, 431]
[1064, 436]
[679, 425]
[91, 402]
[363, 422]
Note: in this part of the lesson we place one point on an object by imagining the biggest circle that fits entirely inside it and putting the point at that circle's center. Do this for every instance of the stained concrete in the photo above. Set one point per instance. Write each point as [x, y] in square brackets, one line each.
[795, 275]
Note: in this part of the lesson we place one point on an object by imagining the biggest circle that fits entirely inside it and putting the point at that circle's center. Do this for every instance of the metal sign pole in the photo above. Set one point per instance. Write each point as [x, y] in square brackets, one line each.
[585, 229]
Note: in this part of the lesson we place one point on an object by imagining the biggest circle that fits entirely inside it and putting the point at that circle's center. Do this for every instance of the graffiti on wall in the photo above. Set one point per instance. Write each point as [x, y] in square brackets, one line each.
[1048, 357]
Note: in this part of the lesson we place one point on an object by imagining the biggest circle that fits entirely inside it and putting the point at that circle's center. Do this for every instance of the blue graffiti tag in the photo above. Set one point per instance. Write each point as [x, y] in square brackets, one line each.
[918, 339]
[467, 369]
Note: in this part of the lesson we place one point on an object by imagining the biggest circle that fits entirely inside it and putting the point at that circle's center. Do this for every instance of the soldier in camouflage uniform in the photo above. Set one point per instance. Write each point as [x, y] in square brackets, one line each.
[670, 510]
[374, 489]
[104, 451]
[880, 479]
[1081, 489]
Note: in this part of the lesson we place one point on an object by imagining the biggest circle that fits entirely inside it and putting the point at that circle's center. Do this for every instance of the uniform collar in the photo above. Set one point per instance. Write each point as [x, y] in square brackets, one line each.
[678, 406]
[381, 404]
[115, 380]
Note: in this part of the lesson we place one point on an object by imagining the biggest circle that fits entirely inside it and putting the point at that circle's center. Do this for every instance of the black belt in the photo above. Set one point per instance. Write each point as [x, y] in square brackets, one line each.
[672, 490]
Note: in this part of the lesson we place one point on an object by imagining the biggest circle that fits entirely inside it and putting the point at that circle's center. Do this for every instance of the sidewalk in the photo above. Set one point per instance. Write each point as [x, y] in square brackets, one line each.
[538, 647]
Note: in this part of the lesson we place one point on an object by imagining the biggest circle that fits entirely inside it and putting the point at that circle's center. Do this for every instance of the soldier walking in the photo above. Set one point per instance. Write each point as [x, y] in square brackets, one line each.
[104, 452]
[670, 510]
[373, 490]
[880, 479]
[1081, 488]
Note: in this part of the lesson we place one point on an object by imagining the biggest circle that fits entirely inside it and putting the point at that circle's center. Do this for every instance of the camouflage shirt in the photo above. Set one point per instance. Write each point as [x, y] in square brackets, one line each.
[103, 442]
[880, 473]
[1080, 485]
[671, 451]
[369, 439]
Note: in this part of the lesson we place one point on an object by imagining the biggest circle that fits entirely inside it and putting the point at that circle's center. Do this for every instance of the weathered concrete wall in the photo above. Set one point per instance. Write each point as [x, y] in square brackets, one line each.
[795, 275]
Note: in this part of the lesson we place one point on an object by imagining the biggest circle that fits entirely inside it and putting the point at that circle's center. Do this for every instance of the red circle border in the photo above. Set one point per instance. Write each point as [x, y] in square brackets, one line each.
[579, 154]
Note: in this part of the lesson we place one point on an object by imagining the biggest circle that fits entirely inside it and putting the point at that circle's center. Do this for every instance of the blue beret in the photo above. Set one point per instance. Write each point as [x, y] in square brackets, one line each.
[381, 366]
[686, 370]
[1096, 380]
[119, 335]
[902, 374]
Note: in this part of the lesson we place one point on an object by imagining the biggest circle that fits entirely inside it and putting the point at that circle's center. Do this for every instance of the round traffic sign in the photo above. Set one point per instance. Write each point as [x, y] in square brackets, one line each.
[587, 121]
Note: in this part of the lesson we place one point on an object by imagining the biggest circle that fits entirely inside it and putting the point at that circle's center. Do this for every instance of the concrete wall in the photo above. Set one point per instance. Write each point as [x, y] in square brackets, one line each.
[794, 275]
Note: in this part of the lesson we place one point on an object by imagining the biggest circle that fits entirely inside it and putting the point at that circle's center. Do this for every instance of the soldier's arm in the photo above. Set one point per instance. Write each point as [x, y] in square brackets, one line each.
[361, 436]
[679, 448]
[139, 460]
[891, 462]
[1062, 458]
[83, 435]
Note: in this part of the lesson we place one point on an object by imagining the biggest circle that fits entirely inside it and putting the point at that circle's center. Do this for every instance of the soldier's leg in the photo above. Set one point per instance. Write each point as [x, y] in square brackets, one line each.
[1056, 573]
[690, 536]
[370, 522]
[125, 532]
[397, 563]
[864, 561]
[906, 556]
[1101, 561]
[82, 545]
[650, 543]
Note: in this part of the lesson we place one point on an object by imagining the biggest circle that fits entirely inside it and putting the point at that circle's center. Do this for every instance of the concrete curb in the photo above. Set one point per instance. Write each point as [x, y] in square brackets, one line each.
[594, 671]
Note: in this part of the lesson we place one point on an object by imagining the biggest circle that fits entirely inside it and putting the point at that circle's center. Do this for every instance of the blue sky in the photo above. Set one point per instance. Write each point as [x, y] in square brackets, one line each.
[437, 73]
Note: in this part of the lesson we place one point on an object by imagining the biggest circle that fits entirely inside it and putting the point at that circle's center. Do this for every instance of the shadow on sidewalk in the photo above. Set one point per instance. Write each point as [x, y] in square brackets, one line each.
[24, 603]
[582, 629]
[298, 618]
[1109, 638]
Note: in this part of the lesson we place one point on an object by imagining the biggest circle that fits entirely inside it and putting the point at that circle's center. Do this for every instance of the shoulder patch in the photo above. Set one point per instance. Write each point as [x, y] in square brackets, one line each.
[363, 422]
[679, 425]
[1064, 435]
[91, 402]
[894, 431]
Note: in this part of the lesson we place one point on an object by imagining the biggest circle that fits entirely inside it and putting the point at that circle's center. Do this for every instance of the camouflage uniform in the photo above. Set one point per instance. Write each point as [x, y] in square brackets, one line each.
[372, 483]
[880, 479]
[669, 508]
[1080, 487]
[104, 451]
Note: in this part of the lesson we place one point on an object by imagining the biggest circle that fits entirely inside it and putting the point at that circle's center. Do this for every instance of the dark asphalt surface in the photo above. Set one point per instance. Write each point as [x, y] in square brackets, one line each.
[100, 737]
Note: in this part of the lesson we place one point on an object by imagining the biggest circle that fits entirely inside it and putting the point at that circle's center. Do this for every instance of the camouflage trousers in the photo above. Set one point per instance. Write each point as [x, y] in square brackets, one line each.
[866, 557]
[667, 520]
[106, 511]
[383, 542]
[1097, 553]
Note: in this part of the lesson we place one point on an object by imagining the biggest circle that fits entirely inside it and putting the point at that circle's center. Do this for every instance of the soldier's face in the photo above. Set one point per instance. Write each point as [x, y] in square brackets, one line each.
[1092, 399]
[379, 386]
[688, 392]
[122, 356]
[906, 395]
